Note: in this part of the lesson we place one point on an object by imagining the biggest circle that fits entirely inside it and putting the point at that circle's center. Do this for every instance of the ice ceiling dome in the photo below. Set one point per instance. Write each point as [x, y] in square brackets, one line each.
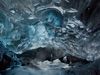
[31, 24]
[32, 33]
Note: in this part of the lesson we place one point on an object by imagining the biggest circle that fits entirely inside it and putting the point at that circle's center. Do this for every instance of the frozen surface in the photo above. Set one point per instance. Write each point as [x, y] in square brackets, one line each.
[31, 24]
[36, 34]
[28, 71]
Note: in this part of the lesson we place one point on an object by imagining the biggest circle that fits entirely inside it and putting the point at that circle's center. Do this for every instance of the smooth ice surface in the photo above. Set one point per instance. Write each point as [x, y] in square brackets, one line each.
[28, 71]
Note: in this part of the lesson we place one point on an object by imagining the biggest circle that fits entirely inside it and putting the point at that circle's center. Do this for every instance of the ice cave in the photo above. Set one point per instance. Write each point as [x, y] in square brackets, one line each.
[49, 37]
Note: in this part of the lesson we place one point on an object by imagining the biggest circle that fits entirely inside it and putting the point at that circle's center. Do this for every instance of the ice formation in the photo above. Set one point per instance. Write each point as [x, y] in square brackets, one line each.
[63, 26]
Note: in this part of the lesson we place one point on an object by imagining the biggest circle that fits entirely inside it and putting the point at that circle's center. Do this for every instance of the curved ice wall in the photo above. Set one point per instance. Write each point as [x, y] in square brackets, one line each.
[31, 24]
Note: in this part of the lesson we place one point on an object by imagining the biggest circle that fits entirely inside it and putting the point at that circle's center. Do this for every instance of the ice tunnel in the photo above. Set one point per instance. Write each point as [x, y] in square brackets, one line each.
[49, 37]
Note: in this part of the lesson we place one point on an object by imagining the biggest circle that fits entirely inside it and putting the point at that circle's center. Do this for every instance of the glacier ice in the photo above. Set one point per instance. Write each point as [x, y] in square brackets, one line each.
[31, 24]
[60, 25]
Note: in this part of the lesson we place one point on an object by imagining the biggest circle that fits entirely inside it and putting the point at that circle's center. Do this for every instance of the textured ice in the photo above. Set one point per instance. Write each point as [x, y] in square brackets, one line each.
[41, 32]
[56, 64]
[32, 24]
